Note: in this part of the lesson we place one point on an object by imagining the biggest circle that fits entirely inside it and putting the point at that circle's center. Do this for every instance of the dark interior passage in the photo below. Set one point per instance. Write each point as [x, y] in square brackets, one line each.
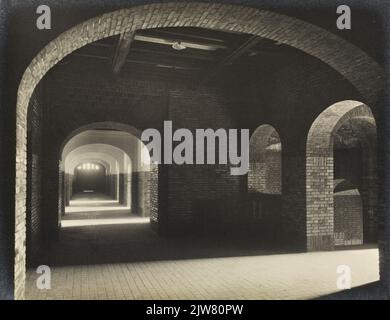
[90, 177]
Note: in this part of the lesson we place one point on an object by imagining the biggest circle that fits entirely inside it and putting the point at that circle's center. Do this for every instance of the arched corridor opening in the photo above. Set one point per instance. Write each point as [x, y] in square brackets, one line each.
[106, 175]
[265, 161]
[341, 145]
[265, 182]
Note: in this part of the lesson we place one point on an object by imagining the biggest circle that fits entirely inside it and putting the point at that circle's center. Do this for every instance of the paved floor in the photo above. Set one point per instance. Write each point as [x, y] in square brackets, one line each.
[129, 261]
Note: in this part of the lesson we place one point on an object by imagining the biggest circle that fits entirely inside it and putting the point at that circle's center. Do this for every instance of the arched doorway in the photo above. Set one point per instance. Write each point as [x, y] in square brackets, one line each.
[265, 182]
[339, 125]
[133, 179]
[265, 158]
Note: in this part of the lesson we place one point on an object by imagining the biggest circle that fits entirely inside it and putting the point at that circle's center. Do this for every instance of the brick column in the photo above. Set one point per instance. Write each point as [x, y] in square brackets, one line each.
[292, 228]
[52, 185]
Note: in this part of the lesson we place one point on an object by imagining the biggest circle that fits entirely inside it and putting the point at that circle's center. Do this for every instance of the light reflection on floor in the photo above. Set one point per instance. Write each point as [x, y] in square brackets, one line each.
[99, 222]
[97, 209]
[88, 208]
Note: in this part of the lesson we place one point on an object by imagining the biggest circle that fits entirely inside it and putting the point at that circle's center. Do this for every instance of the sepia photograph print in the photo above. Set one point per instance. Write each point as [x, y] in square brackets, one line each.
[194, 150]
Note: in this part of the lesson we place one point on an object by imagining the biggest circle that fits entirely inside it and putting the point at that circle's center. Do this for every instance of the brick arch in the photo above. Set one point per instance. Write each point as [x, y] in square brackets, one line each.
[259, 140]
[108, 125]
[107, 152]
[347, 59]
[265, 161]
[319, 169]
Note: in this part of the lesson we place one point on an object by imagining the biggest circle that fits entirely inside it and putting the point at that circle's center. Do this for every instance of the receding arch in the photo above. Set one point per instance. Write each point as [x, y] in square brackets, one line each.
[108, 153]
[96, 160]
[320, 167]
[106, 125]
[363, 72]
[136, 173]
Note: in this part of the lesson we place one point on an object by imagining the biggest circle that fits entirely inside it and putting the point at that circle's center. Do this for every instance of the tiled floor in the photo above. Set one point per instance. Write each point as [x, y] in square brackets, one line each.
[128, 261]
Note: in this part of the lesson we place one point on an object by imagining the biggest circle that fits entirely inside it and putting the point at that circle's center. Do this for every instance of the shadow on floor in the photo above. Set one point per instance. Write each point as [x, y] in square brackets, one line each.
[99, 230]
[370, 291]
[136, 242]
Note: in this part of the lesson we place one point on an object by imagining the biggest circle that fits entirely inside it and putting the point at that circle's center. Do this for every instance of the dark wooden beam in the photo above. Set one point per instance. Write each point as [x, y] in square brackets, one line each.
[234, 55]
[121, 51]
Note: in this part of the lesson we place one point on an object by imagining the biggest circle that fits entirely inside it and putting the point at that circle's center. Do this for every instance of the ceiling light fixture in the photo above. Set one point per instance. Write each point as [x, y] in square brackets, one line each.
[178, 46]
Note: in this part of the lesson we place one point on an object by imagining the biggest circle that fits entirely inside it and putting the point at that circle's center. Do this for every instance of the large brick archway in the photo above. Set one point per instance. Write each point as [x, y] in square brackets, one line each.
[363, 72]
[320, 167]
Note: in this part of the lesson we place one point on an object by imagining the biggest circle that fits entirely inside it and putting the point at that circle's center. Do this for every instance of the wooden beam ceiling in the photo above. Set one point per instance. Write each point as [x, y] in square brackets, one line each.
[122, 49]
[233, 56]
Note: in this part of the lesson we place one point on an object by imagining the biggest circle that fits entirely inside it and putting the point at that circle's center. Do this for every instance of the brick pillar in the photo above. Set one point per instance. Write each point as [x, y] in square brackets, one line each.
[122, 189]
[134, 193]
[51, 188]
[292, 231]
[369, 191]
[113, 185]
[61, 191]
[319, 193]
[68, 188]
[128, 191]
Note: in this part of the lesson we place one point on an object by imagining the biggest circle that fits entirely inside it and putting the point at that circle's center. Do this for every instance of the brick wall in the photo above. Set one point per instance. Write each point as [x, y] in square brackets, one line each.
[141, 193]
[61, 192]
[188, 184]
[266, 176]
[122, 190]
[253, 217]
[155, 194]
[34, 219]
[68, 188]
[113, 186]
[348, 218]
